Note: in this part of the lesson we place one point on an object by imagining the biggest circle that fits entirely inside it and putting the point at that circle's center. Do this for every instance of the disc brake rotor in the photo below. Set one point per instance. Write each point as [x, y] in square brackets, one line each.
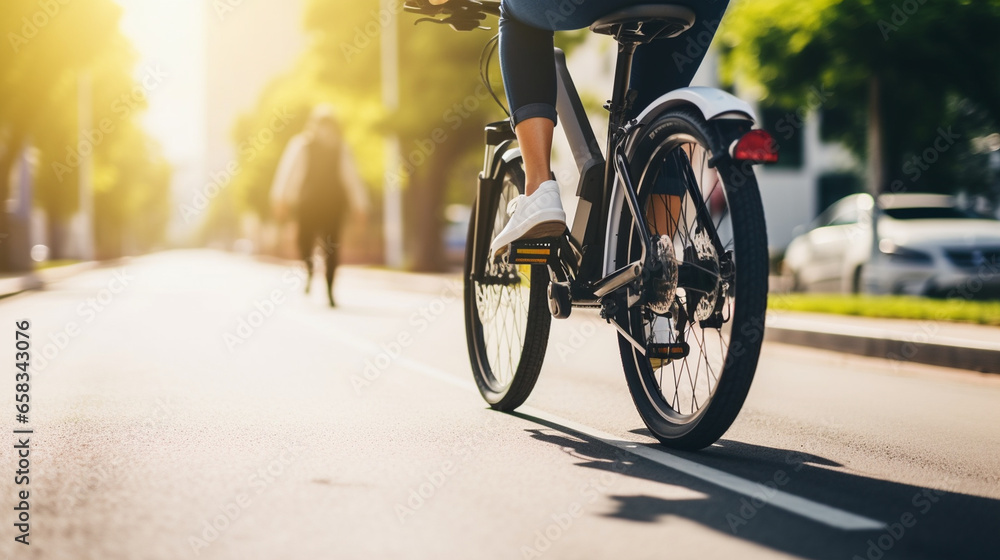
[664, 285]
[708, 259]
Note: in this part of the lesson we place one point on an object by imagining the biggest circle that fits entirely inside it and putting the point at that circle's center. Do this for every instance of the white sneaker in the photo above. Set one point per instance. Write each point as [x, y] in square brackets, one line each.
[532, 217]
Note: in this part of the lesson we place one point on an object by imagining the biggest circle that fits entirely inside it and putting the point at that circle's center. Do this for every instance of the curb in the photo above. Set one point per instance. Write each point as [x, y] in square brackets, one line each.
[49, 275]
[983, 357]
[17, 284]
[38, 279]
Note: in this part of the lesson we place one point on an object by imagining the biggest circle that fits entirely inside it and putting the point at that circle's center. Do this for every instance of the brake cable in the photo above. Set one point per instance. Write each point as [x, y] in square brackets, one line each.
[484, 70]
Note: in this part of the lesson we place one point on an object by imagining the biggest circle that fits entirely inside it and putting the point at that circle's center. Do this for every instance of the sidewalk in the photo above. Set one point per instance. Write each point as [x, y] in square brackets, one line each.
[938, 343]
[36, 280]
[13, 284]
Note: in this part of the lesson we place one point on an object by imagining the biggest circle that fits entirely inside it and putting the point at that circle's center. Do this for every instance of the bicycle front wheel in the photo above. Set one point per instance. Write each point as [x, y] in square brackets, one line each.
[506, 306]
[702, 322]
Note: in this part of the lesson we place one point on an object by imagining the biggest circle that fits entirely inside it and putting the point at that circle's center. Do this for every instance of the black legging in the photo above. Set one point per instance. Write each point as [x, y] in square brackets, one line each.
[328, 235]
[529, 74]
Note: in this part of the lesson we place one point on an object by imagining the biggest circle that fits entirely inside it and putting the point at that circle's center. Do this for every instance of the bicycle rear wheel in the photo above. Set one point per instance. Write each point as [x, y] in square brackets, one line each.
[506, 307]
[707, 296]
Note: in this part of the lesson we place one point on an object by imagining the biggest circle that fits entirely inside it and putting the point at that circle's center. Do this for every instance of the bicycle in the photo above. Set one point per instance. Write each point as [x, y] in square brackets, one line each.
[665, 271]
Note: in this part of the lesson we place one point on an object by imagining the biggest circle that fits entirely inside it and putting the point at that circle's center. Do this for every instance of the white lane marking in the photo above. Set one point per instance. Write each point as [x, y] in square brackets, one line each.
[821, 513]
[827, 515]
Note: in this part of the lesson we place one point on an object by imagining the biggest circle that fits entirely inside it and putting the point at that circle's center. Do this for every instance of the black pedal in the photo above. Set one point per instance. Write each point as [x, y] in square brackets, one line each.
[668, 352]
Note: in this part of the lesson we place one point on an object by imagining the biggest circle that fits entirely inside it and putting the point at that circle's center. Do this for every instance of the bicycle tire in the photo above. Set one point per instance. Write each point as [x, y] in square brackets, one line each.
[745, 297]
[519, 326]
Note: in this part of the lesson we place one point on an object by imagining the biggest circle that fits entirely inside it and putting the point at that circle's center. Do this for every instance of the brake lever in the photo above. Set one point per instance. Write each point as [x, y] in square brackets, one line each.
[428, 19]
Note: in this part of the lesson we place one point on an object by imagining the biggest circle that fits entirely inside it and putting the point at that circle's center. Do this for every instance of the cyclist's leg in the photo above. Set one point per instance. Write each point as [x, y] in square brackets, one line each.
[530, 84]
[529, 72]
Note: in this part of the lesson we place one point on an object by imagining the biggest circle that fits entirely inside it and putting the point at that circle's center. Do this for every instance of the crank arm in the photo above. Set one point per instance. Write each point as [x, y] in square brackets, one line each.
[607, 313]
[626, 336]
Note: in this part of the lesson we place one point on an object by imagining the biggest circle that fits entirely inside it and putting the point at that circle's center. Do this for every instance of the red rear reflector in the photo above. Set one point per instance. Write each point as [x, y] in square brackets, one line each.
[756, 146]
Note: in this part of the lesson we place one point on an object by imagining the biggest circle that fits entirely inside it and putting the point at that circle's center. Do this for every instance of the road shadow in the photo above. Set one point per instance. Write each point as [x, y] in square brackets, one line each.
[921, 522]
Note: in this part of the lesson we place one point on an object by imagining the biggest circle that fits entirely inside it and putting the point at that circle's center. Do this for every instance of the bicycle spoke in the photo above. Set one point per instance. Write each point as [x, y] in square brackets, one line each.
[503, 307]
[696, 376]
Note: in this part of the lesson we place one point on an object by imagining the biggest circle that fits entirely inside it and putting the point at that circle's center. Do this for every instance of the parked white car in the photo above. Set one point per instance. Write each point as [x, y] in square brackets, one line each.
[926, 245]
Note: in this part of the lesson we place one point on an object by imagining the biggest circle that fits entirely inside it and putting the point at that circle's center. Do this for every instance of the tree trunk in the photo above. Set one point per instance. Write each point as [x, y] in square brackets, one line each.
[876, 147]
[426, 202]
[876, 158]
[11, 151]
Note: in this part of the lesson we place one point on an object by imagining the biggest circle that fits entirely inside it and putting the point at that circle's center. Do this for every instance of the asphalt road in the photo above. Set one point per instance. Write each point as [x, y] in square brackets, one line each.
[198, 405]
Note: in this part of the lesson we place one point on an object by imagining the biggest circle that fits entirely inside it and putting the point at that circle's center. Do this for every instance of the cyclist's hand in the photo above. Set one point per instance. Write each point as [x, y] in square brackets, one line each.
[425, 6]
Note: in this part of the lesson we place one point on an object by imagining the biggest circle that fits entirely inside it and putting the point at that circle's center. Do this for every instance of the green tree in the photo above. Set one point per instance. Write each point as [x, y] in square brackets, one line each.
[909, 83]
[48, 46]
[439, 123]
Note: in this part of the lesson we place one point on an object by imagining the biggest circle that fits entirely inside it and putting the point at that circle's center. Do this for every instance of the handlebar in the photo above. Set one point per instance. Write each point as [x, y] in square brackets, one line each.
[461, 15]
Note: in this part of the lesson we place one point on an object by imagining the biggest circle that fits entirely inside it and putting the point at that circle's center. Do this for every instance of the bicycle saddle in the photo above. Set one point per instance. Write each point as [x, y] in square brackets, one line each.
[646, 22]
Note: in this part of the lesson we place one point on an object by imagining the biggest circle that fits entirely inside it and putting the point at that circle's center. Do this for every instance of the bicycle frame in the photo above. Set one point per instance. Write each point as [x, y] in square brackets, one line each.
[587, 231]
[604, 189]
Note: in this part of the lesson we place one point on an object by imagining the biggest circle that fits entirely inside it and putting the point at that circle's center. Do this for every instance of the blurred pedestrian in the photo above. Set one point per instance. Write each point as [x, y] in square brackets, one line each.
[318, 187]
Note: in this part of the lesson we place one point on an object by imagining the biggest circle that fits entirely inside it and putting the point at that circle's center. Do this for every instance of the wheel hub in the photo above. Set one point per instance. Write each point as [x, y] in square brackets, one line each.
[490, 290]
